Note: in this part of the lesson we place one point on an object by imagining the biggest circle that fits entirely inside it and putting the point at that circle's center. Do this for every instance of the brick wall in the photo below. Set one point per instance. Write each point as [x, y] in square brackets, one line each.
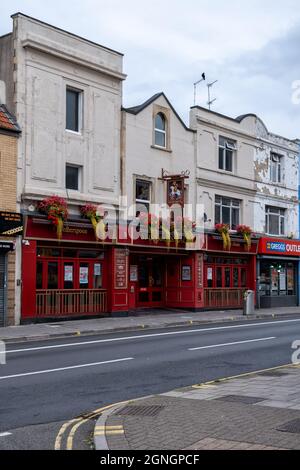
[8, 194]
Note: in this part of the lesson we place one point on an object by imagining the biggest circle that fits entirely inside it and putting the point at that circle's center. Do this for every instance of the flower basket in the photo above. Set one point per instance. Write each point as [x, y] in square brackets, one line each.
[55, 208]
[246, 232]
[90, 212]
[223, 229]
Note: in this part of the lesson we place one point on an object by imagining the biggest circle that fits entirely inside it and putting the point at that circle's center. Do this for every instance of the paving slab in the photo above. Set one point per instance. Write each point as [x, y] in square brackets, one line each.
[190, 419]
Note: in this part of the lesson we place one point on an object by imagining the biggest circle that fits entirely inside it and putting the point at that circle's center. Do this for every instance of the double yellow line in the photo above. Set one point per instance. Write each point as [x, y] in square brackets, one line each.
[70, 428]
[73, 425]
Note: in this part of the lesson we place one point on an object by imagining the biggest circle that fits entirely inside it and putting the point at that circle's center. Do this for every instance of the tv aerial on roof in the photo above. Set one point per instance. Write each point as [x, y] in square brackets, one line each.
[210, 101]
[195, 86]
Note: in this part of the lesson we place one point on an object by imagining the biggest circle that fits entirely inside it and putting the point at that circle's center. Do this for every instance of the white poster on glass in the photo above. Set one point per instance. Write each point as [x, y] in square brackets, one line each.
[84, 275]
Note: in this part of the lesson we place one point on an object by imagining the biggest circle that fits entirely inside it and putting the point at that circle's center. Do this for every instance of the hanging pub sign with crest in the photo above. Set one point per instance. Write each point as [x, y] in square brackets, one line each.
[175, 187]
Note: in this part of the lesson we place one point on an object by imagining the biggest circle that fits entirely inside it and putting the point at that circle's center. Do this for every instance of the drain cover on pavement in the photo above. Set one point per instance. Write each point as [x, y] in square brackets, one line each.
[240, 399]
[292, 427]
[140, 411]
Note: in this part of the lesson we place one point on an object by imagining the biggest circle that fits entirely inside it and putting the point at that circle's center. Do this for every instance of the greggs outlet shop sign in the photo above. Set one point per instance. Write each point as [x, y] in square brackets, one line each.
[278, 272]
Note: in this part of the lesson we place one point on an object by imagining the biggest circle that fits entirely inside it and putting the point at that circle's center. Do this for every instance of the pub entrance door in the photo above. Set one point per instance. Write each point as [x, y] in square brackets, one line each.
[151, 273]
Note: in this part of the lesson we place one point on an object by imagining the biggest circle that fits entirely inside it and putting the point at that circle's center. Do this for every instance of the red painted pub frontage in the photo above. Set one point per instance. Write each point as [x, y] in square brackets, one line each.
[81, 277]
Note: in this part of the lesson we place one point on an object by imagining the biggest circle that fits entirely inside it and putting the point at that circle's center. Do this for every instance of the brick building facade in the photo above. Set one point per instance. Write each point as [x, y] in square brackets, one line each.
[9, 131]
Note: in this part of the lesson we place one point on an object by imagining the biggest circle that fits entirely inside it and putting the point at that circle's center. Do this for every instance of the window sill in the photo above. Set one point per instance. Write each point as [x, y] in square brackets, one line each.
[69, 131]
[280, 185]
[163, 149]
[276, 236]
[225, 172]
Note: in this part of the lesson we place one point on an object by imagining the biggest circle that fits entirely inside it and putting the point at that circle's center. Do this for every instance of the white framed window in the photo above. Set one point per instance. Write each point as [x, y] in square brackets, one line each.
[227, 152]
[143, 190]
[74, 106]
[160, 130]
[276, 168]
[275, 220]
[73, 177]
[227, 211]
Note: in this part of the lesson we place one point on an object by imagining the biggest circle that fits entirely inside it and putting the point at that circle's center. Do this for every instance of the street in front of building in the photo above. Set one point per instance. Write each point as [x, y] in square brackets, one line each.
[140, 254]
[48, 384]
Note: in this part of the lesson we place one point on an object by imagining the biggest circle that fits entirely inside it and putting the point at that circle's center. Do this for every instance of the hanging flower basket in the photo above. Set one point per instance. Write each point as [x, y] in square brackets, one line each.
[56, 209]
[223, 229]
[90, 212]
[246, 232]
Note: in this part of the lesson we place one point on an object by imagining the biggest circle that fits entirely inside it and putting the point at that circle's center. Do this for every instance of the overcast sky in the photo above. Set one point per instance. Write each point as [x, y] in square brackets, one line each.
[252, 48]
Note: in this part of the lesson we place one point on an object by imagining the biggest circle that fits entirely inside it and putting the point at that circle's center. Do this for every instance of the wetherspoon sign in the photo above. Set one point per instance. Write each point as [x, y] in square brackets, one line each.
[279, 247]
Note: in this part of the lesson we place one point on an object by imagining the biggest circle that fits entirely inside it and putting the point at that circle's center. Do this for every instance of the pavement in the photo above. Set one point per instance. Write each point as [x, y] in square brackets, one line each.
[256, 411]
[153, 319]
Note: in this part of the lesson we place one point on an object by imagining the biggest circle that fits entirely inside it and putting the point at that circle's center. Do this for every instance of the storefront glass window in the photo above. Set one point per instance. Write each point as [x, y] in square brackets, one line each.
[290, 280]
[219, 277]
[97, 276]
[227, 277]
[277, 279]
[84, 276]
[235, 277]
[39, 275]
[52, 275]
[69, 276]
[243, 278]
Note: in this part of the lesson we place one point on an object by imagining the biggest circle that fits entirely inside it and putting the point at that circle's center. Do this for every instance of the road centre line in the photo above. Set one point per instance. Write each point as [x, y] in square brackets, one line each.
[232, 344]
[48, 371]
[152, 335]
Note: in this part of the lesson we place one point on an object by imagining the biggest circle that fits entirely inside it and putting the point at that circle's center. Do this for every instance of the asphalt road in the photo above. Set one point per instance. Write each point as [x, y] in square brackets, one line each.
[47, 383]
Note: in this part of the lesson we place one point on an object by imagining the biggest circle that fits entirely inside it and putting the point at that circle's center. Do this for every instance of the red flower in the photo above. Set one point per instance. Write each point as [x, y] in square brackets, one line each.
[244, 229]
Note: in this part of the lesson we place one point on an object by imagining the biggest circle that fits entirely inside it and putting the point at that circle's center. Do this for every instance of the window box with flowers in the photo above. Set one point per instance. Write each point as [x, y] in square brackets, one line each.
[95, 216]
[246, 232]
[223, 230]
[56, 209]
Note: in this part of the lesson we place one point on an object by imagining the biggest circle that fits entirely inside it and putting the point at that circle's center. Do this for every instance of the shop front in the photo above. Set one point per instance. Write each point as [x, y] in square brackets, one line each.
[66, 278]
[164, 278]
[228, 273]
[278, 272]
[11, 226]
[78, 276]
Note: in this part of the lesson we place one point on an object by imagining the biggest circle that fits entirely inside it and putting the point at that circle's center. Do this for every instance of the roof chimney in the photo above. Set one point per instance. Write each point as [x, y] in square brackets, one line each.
[2, 92]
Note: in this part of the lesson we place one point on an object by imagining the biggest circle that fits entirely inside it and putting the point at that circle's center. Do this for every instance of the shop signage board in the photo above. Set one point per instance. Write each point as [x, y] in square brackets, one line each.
[121, 269]
[11, 224]
[279, 247]
[6, 246]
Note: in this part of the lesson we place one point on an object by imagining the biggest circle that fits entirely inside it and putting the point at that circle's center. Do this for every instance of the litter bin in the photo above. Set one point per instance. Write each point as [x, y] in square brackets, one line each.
[249, 302]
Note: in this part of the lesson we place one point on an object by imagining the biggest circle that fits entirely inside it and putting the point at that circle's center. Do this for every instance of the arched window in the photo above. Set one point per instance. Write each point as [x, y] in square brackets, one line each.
[160, 130]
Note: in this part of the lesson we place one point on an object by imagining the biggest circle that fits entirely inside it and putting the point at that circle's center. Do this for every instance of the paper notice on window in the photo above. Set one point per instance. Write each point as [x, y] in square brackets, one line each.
[84, 275]
[209, 274]
[97, 270]
[68, 273]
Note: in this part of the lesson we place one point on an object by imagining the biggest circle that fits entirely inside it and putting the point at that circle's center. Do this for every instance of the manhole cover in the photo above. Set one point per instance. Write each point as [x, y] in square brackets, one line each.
[292, 427]
[273, 373]
[140, 411]
[240, 399]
